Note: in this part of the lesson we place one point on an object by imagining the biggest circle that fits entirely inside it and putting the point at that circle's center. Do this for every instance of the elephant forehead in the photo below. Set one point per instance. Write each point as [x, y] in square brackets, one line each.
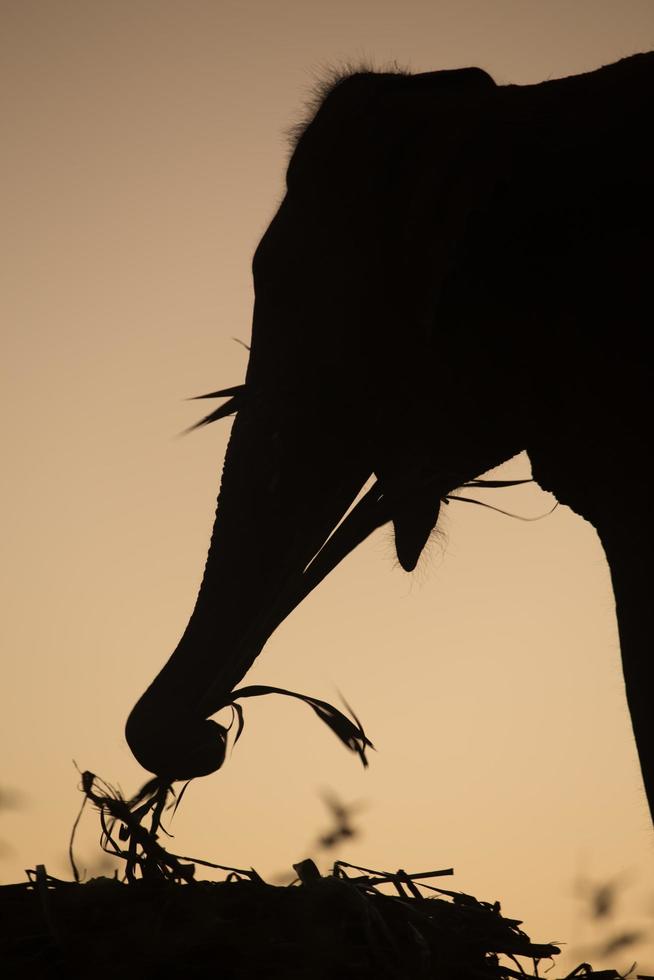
[375, 110]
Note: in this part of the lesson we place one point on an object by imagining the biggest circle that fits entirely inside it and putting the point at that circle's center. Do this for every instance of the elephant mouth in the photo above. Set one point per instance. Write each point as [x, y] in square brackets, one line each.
[369, 513]
[378, 506]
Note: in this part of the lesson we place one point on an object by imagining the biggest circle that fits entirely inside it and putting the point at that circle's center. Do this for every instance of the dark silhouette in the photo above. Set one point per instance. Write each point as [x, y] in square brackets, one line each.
[342, 827]
[458, 272]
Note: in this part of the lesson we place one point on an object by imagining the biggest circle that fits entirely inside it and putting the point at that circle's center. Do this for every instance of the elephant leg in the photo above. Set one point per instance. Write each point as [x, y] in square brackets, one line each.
[625, 530]
[608, 486]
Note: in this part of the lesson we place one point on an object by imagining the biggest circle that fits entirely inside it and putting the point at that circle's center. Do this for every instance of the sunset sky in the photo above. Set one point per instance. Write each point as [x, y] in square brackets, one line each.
[143, 156]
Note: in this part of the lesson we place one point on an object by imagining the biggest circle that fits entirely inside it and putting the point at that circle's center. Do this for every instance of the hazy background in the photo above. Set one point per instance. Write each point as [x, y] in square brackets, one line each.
[143, 157]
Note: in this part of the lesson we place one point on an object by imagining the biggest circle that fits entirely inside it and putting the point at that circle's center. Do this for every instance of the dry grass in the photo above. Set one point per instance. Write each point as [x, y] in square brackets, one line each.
[158, 920]
[338, 926]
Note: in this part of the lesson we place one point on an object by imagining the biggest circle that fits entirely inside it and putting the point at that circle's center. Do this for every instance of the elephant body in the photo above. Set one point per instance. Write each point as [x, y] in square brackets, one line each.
[458, 272]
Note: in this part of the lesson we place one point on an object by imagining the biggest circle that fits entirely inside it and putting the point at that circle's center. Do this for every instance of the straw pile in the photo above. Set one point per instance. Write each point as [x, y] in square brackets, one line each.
[323, 927]
[160, 921]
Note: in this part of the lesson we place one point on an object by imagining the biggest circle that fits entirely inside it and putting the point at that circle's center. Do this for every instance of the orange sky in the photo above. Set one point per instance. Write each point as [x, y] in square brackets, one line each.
[143, 156]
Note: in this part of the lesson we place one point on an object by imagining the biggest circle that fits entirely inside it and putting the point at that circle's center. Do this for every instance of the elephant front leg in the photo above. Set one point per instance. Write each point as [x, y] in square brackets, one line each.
[624, 525]
[607, 481]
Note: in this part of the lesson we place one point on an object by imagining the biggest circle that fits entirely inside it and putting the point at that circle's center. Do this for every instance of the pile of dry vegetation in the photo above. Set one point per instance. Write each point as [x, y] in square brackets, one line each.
[160, 921]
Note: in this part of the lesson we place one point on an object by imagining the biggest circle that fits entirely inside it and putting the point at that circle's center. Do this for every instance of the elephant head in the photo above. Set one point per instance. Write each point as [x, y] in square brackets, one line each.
[338, 366]
[409, 235]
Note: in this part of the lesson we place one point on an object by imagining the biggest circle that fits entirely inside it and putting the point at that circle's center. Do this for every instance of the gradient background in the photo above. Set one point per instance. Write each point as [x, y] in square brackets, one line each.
[143, 157]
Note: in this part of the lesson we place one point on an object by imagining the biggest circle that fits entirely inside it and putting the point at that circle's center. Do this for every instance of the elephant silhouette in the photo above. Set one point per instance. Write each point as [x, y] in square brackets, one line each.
[459, 271]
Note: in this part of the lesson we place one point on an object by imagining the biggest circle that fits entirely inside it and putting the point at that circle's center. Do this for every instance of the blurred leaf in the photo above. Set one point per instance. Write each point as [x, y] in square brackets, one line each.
[618, 942]
[11, 799]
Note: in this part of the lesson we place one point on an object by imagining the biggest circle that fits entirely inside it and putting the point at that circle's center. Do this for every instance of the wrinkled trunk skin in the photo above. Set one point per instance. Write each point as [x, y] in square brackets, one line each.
[284, 487]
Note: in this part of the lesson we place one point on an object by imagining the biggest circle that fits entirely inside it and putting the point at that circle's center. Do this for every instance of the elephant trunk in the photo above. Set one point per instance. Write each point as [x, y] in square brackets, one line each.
[281, 496]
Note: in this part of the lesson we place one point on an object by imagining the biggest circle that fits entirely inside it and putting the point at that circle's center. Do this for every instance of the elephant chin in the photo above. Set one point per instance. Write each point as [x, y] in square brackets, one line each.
[412, 526]
[190, 748]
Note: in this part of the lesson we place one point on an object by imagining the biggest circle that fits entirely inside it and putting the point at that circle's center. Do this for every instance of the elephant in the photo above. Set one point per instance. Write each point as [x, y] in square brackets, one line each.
[459, 271]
